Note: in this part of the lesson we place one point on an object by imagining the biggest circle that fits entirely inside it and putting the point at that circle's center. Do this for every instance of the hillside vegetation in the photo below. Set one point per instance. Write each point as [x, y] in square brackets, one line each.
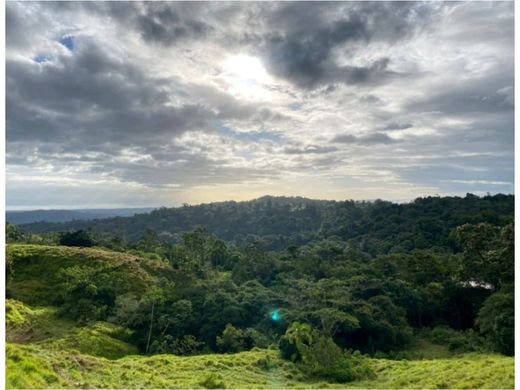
[281, 221]
[88, 309]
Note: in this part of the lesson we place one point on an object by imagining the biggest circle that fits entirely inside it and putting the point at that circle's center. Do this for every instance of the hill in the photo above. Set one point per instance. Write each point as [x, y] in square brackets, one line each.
[53, 216]
[379, 295]
[281, 222]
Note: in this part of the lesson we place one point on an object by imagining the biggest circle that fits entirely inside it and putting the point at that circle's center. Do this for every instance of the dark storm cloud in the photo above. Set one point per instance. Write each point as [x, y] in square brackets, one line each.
[93, 99]
[295, 41]
[162, 23]
[300, 42]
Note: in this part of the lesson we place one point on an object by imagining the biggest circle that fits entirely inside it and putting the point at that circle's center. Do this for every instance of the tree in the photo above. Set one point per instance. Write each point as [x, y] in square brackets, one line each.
[296, 338]
[496, 320]
[232, 340]
[317, 353]
[149, 241]
[487, 256]
[83, 238]
[14, 234]
[331, 320]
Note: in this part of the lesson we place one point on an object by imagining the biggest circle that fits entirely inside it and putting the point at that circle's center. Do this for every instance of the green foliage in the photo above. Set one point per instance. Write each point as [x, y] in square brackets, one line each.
[292, 343]
[186, 345]
[82, 238]
[460, 341]
[213, 381]
[71, 361]
[14, 234]
[45, 274]
[237, 340]
[368, 277]
[331, 320]
[149, 241]
[496, 320]
[373, 227]
[36, 366]
[16, 313]
[487, 255]
[318, 355]
[232, 340]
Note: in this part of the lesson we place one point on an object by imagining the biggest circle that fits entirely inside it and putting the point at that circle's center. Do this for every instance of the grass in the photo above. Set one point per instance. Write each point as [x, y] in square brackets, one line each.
[38, 271]
[423, 349]
[34, 366]
[44, 350]
[42, 326]
[468, 371]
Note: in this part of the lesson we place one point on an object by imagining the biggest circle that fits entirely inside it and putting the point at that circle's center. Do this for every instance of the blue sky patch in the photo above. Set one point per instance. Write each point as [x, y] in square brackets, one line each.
[40, 58]
[295, 106]
[68, 42]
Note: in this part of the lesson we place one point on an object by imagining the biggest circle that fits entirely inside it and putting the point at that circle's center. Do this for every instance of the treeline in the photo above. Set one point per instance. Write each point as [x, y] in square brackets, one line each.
[279, 222]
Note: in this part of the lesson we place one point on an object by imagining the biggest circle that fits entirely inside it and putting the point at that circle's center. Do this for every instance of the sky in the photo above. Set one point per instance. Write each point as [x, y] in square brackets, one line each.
[116, 104]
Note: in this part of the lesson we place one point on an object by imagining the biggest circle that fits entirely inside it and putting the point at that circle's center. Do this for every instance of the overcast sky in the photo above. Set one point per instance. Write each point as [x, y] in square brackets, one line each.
[134, 104]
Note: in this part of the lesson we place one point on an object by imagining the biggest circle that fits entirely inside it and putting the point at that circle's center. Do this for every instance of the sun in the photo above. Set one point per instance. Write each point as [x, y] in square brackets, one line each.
[246, 77]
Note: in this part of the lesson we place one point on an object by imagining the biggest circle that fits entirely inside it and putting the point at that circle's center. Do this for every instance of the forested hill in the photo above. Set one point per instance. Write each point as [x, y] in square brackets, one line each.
[53, 216]
[378, 226]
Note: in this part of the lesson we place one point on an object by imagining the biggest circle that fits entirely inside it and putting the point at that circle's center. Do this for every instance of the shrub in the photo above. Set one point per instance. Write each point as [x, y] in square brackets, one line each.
[265, 363]
[81, 238]
[232, 340]
[213, 381]
[319, 355]
[186, 345]
[462, 341]
[292, 343]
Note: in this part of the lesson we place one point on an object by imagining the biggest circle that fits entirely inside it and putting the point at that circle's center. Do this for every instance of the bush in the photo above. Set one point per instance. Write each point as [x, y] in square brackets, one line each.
[81, 238]
[237, 340]
[213, 381]
[265, 363]
[319, 355]
[462, 341]
[232, 340]
[186, 345]
[291, 344]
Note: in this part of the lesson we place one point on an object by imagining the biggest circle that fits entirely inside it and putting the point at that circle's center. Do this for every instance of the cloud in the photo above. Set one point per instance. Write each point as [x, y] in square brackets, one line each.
[161, 23]
[366, 140]
[310, 149]
[300, 42]
[140, 96]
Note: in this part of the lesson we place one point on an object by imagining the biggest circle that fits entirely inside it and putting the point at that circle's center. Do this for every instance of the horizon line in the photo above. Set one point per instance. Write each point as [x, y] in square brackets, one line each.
[122, 207]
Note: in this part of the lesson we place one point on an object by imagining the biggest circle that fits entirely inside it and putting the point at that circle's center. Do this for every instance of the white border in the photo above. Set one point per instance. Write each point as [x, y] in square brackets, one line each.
[2, 202]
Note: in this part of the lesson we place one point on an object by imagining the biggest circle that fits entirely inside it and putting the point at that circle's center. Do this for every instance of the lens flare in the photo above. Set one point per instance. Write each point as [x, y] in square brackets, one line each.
[275, 315]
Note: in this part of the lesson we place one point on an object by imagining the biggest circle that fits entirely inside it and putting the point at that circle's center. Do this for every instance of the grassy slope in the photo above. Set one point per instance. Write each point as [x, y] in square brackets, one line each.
[33, 366]
[37, 271]
[46, 351]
